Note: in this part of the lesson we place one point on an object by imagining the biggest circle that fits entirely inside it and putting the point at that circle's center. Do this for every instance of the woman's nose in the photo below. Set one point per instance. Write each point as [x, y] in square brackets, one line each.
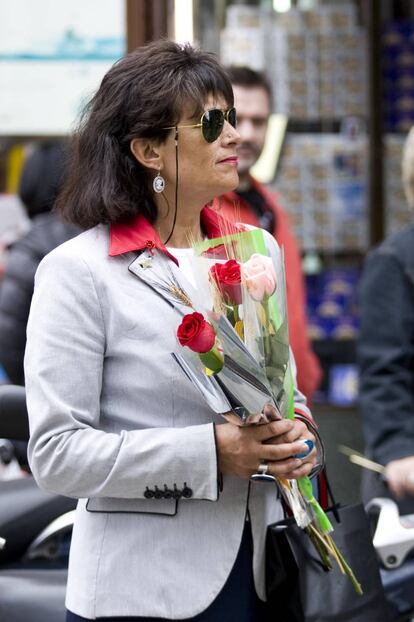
[230, 134]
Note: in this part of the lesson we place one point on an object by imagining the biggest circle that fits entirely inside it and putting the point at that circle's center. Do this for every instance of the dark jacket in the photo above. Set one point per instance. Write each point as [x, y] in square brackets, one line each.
[16, 288]
[386, 348]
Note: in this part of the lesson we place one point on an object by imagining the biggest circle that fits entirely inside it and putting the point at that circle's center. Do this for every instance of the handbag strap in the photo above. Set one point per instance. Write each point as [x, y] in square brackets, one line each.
[323, 482]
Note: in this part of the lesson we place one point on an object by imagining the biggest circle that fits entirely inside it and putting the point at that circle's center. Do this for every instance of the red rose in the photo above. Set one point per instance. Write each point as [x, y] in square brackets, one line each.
[195, 333]
[228, 279]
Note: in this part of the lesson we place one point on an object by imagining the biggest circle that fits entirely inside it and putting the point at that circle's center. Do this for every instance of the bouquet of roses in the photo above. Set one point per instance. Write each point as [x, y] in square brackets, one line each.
[236, 353]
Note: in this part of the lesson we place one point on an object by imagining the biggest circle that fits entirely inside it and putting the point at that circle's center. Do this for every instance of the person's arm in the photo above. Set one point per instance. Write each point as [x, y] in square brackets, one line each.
[385, 355]
[16, 291]
[309, 372]
[399, 475]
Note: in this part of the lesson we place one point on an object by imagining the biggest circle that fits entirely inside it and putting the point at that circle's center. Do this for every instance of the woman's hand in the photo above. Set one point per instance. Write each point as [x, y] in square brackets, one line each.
[400, 476]
[299, 431]
[242, 449]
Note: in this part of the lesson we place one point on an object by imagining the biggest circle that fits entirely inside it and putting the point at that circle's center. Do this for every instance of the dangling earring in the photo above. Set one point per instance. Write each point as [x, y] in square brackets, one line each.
[158, 183]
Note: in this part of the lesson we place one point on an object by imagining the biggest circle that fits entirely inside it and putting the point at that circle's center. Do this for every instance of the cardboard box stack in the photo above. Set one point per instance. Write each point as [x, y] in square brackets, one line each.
[332, 308]
[315, 60]
[242, 41]
[398, 75]
[322, 183]
[316, 63]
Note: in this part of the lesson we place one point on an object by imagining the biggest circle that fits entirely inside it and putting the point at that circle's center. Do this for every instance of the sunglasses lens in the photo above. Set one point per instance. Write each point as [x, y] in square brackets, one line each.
[232, 117]
[212, 124]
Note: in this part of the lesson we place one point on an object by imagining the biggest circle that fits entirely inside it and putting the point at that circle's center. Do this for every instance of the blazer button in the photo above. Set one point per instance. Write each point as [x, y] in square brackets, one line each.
[167, 492]
[187, 492]
[158, 493]
[148, 494]
[176, 494]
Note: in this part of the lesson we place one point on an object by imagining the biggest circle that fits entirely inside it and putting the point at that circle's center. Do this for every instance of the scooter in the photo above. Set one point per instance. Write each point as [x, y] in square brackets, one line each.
[393, 538]
[36, 529]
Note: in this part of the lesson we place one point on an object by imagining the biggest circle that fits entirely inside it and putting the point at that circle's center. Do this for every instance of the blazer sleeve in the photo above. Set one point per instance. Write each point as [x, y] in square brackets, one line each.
[68, 452]
[385, 356]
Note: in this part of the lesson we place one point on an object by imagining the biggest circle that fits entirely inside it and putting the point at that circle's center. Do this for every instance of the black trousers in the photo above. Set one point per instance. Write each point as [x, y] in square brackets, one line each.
[237, 600]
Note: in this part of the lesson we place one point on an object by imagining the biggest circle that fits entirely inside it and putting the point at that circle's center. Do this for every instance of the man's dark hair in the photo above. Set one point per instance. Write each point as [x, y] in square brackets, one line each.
[249, 78]
[142, 93]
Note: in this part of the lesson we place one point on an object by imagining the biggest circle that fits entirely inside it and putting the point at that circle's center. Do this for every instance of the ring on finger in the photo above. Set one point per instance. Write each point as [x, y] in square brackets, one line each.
[263, 468]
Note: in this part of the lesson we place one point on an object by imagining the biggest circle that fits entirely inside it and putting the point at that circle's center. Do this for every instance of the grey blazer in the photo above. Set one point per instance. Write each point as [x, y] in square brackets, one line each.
[112, 415]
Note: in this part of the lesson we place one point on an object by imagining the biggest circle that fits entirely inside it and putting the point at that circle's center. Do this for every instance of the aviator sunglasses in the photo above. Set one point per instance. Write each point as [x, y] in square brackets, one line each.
[212, 123]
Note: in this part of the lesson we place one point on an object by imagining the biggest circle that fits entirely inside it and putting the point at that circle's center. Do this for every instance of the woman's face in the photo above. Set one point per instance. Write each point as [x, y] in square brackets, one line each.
[205, 170]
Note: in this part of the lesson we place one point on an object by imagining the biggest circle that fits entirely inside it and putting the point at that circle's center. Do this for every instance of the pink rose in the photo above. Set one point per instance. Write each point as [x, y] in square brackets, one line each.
[259, 277]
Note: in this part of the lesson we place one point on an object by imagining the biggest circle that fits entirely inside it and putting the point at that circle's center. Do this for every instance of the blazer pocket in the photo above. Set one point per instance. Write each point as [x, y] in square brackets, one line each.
[165, 507]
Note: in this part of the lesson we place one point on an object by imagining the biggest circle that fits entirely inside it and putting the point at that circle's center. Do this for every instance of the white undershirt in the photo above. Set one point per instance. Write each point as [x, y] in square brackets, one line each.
[184, 256]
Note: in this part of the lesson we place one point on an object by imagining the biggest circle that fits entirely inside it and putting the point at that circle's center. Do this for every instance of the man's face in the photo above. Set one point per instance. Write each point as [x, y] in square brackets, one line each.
[253, 110]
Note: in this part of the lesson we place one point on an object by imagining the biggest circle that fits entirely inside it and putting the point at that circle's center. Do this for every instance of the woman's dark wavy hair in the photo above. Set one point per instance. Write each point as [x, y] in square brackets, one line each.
[142, 93]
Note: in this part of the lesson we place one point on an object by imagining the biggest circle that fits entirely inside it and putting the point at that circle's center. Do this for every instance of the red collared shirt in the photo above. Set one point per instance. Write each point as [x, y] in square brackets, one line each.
[138, 233]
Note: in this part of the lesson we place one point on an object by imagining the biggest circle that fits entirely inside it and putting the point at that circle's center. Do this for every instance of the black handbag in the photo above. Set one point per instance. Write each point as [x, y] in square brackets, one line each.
[300, 589]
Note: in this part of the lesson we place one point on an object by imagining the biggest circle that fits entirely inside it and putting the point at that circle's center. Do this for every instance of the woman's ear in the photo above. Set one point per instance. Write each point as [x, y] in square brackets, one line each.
[146, 152]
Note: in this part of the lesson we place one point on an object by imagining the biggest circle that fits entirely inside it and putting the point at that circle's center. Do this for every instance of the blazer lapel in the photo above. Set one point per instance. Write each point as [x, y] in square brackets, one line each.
[163, 276]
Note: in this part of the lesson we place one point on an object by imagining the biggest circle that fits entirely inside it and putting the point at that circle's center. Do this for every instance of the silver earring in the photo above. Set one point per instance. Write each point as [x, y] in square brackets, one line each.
[158, 183]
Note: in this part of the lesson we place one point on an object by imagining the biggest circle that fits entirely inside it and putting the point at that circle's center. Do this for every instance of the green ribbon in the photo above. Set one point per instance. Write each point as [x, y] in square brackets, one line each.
[305, 487]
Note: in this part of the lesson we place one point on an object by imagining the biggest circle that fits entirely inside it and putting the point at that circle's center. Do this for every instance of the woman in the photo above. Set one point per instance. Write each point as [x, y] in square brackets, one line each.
[160, 529]
[386, 356]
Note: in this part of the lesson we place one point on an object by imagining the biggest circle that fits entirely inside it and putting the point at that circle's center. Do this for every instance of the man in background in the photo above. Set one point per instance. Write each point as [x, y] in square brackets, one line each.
[386, 357]
[254, 204]
[41, 178]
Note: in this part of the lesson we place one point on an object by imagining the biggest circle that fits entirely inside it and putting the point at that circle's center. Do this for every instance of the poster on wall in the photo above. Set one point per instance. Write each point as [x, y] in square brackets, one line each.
[53, 55]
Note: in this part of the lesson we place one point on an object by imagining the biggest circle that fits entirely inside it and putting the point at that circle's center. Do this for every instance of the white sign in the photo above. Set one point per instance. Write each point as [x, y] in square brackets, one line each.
[53, 55]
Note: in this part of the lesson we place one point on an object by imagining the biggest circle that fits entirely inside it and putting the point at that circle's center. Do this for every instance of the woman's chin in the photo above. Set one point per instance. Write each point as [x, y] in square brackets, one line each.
[221, 186]
[229, 184]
